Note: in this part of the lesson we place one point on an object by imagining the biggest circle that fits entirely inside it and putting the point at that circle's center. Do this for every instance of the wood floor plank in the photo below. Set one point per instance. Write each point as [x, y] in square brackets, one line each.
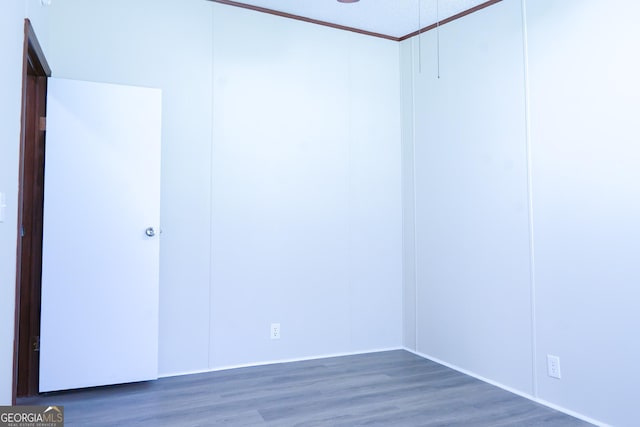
[394, 388]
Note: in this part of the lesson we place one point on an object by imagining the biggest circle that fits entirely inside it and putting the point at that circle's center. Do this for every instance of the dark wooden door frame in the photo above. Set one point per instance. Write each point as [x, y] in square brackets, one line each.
[35, 71]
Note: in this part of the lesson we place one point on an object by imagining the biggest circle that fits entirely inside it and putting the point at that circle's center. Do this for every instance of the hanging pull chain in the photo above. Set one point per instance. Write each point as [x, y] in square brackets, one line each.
[438, 34]
[420, 36]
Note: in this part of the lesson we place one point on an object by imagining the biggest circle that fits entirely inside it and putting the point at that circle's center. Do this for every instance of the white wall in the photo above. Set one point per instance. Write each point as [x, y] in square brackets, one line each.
[585, 102]
[11, 38]
[469, 133]
[471, 220]
[39, 16]
[280, 174]
[12, 14]
[306, 190]
[408, 197]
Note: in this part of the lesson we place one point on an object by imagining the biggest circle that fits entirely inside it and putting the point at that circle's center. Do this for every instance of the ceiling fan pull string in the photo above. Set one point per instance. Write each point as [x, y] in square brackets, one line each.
[438, 34]
[420, 36]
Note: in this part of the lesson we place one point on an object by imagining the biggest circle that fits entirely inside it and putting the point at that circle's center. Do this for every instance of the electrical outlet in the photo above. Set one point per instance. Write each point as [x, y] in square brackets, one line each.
[275, 331]
[553, 366]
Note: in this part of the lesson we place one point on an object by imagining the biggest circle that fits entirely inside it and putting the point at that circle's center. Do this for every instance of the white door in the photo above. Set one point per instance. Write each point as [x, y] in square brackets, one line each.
[99, 321]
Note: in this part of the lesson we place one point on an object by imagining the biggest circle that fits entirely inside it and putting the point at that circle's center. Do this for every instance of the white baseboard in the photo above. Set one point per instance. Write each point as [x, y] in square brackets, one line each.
[510, 389]
[277, 361]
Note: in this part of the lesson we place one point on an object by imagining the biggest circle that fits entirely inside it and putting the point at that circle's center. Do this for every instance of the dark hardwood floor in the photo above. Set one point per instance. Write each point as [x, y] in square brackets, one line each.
[394, 388]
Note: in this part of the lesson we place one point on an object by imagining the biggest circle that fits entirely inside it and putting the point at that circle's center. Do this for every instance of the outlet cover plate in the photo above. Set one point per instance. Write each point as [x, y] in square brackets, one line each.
[275, 331]
[553, 366]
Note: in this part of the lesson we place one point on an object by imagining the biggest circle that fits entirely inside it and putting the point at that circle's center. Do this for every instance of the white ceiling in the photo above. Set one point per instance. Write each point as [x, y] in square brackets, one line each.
[394, 18]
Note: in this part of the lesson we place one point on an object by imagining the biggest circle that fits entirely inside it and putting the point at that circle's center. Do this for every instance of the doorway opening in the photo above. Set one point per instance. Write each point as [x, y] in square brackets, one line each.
[35, 71]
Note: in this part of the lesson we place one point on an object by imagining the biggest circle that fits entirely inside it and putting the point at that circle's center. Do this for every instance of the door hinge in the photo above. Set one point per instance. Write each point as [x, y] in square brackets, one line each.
[22, 231]
[36, 343]
[43, 124]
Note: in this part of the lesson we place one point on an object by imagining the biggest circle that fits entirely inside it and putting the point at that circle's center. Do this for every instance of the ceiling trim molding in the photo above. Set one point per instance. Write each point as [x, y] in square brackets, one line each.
[449, 19]
[304, 19]
[357, 30]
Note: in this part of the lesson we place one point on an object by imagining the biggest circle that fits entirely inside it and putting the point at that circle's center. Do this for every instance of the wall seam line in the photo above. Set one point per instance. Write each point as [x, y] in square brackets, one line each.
[211, 190]
[415, 192]
[532, 278]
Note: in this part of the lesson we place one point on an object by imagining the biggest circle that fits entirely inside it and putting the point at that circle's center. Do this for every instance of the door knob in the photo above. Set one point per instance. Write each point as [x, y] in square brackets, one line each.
[150, 232]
